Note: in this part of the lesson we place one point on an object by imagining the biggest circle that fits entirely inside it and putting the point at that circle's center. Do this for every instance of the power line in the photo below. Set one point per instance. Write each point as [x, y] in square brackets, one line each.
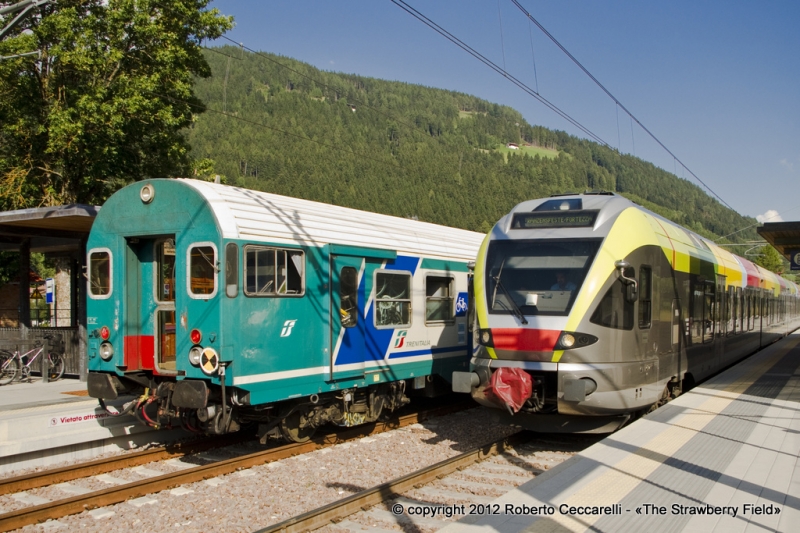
[533, 58]
[595, 80]
[450, 37]
[757, 223]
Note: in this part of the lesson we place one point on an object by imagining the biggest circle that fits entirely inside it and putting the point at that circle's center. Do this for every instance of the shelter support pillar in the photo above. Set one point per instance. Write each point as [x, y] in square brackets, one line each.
[25, 283]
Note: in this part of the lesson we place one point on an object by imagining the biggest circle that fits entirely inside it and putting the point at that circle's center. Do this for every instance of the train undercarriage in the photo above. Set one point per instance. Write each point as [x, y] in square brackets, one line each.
[197, 407]
[538, 405]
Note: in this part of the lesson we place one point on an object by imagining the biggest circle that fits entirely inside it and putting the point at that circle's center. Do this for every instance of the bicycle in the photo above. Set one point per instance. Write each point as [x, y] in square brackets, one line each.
[14, 364]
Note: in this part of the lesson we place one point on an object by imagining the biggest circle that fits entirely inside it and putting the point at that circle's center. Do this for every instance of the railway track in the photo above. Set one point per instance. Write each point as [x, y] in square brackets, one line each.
[437, 495]
[44, 511]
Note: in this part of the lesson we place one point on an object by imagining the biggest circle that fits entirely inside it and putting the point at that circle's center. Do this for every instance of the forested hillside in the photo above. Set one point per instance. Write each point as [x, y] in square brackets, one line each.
[409, 150]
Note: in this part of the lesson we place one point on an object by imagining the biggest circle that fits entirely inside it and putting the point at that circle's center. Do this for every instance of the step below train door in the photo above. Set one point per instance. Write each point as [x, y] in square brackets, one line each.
[347, 319]
[149, 313]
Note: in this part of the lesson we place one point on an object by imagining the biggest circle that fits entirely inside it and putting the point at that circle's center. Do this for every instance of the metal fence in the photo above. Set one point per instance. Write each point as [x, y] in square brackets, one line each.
[71, 344]
[39, 317]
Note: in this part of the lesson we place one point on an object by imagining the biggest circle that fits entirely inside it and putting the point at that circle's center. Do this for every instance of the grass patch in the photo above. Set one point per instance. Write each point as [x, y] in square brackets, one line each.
[529, 150]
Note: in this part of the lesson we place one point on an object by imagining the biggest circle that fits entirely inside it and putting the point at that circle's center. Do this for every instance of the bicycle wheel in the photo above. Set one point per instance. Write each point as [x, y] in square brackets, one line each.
[57, 365]
[9, 368]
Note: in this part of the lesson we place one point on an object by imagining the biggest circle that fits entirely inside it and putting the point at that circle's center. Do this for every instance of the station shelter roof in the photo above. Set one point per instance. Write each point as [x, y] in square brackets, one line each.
[49, 229]
[784, 236]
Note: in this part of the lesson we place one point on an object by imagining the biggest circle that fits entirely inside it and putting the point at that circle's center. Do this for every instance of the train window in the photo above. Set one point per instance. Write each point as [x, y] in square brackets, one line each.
[439, 300]
[165, 260]
[274, 271]
[100, 273]
[392, 299]
[166, 339]
[537, 277]
[615, 310]
[231, 270]
[698, 242]
[645, 296]
[202, 279]
[348, 296]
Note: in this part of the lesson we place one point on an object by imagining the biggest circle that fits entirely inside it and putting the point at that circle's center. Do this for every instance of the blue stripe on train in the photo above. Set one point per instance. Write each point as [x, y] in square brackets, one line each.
[399, 355]
[375, 341]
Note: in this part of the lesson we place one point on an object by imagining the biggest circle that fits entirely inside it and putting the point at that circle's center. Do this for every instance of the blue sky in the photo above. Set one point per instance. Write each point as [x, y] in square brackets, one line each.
[717, 82]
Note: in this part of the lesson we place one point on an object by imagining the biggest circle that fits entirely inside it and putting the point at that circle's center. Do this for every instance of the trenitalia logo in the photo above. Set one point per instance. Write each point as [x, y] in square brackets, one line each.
[401, 339]
[287, 328]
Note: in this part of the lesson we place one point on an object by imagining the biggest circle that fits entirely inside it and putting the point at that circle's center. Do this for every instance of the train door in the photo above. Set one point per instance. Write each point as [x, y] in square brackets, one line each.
[347, 320]
[675, 336]
[720, 321]
[149, 314]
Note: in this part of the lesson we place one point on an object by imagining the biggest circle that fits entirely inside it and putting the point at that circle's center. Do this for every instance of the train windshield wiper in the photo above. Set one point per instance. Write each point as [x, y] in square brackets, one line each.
[515, 310]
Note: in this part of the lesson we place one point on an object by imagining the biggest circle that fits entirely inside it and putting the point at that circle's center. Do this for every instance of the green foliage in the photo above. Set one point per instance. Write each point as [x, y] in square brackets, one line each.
[9, 266]
[769, 258]
[405, 149]
[106, 102]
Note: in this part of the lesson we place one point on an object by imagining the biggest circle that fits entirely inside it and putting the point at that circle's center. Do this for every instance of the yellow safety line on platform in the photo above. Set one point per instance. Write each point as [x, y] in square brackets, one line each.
[624, 476]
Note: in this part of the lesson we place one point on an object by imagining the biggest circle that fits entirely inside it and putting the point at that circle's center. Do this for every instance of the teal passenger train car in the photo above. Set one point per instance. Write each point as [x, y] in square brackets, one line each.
[218, 306]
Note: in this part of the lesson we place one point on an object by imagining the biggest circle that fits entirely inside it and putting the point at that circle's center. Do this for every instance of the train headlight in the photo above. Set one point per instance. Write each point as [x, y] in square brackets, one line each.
[106, 351]
[569, 340]
[195, 355]
[485, 337]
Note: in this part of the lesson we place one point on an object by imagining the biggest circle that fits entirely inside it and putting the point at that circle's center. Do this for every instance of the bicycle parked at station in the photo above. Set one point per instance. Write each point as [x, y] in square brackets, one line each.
[15, 365]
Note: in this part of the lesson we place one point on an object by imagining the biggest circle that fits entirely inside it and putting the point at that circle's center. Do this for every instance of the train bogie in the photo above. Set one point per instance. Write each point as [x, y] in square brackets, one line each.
[221, 306]
[591, 309]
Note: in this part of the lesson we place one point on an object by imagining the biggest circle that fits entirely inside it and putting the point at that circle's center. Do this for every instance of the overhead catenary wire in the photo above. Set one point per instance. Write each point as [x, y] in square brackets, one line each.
[502, 39]
[633, 118]
[533, 58]
[759, 222]
[483, 59]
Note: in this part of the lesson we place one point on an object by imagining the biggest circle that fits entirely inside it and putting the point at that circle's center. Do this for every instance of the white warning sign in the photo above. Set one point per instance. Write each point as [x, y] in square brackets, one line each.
[75, 419]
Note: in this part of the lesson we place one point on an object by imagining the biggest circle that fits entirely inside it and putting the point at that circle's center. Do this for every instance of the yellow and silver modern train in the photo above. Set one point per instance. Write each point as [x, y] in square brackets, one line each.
[589, 309]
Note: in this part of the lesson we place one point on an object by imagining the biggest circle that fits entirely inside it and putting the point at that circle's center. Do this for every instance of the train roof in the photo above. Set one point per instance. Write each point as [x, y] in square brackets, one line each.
[608, 207]
[260, 216]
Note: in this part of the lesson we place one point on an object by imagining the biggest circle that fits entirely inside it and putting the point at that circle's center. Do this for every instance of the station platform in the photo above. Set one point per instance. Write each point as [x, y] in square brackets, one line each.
[45, 424]
[723, 457]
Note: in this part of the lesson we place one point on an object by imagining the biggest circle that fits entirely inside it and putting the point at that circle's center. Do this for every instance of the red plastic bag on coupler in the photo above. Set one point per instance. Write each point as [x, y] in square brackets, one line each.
[510, 386]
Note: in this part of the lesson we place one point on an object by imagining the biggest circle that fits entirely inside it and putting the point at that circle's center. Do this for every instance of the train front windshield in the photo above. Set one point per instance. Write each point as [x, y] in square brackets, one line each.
[537, 277]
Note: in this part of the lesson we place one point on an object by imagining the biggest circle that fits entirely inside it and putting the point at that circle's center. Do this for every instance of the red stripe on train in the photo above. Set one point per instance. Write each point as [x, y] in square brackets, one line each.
[525, 340]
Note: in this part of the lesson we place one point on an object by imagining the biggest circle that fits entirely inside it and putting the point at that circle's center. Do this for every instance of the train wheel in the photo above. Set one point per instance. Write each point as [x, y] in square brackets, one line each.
[291, 426]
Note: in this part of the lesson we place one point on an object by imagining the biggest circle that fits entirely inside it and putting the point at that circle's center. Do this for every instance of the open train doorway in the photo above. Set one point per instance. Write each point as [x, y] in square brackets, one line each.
[150, 291]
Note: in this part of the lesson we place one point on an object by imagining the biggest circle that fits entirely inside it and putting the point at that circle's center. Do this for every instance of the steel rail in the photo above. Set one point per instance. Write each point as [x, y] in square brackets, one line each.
[52, 476]
[76, 504]
[340, 509]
